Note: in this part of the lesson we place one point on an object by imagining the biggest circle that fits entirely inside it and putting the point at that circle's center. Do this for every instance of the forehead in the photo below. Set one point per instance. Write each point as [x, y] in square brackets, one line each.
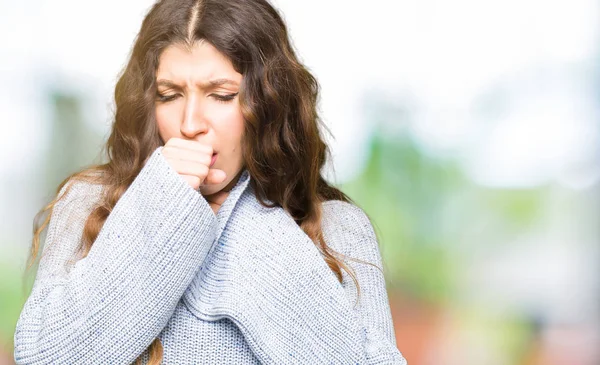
[201, 62]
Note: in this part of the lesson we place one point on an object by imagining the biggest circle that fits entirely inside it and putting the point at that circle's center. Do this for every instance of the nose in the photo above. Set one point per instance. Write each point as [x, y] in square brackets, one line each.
[194, 118]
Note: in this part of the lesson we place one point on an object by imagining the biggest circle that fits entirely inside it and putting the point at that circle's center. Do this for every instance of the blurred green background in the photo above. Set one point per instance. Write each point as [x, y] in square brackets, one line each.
[468, 131]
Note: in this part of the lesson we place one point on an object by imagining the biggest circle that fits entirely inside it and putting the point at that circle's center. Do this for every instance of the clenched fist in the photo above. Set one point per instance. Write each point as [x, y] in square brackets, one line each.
[193, 161]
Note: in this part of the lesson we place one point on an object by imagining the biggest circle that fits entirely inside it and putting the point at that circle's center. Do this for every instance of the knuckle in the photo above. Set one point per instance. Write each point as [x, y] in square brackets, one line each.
[205, 159]
[203, 170]
[205, 148]
[171, 142]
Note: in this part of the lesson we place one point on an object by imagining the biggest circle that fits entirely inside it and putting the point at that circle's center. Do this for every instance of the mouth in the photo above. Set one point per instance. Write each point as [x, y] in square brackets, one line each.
[213, 160]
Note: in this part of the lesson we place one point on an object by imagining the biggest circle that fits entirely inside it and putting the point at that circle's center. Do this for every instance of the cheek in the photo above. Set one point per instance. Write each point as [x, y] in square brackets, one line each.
[231, 124]
[166, 122]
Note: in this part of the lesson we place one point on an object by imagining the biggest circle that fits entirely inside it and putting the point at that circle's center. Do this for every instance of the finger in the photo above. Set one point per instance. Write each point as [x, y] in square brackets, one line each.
[189, 145]
[193, 181]
[215, 176]
[176, 153]
[190, 168]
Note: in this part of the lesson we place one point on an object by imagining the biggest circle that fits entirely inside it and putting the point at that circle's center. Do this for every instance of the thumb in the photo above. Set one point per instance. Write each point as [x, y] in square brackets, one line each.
[215, 176]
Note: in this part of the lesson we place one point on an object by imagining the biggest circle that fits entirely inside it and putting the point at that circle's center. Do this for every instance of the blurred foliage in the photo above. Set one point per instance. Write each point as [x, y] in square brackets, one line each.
[74, 144]
[427, 214]
[402, 191]
[11, 302]
[431, 219]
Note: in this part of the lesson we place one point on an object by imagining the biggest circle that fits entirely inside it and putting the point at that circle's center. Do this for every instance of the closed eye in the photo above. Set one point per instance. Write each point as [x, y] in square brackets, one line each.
[219, 98]
[224, 98]
[166, 98]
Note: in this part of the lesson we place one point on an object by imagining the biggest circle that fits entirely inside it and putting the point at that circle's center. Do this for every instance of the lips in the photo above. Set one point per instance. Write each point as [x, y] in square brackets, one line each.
[213, 160]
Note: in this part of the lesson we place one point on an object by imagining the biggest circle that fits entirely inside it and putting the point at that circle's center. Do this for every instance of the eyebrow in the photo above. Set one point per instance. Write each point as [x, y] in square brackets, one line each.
[211, 84]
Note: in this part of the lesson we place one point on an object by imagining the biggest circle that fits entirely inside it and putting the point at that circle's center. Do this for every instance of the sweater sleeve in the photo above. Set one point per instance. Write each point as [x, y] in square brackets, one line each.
[107, 307]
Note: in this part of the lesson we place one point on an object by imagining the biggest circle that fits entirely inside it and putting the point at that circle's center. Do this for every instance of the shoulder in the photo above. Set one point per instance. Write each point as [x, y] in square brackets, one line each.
[345, 215]
[76, 189]
[78, 195]
[347, 228]
[75, 202]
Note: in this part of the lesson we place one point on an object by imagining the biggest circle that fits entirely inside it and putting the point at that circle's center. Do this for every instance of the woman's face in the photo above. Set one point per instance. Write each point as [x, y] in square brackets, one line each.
[198, 100]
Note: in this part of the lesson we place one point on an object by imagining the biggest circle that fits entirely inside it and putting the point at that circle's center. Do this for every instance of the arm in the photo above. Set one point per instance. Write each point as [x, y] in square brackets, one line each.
[109, 306]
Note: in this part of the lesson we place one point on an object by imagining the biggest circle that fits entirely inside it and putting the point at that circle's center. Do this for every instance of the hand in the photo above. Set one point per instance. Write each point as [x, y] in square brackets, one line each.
[191, 159]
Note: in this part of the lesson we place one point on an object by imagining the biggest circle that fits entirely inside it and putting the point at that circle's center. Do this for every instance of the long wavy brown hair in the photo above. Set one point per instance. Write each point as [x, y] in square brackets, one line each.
[282, 145]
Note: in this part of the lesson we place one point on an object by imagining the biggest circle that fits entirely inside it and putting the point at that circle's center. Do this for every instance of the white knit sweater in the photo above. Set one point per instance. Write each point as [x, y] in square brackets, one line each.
[246, 286]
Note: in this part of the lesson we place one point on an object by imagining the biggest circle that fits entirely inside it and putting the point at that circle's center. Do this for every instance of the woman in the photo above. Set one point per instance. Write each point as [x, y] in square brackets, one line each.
[210, 236]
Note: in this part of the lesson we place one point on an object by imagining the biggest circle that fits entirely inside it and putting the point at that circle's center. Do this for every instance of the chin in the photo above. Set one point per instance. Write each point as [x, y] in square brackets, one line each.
[209, 190]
